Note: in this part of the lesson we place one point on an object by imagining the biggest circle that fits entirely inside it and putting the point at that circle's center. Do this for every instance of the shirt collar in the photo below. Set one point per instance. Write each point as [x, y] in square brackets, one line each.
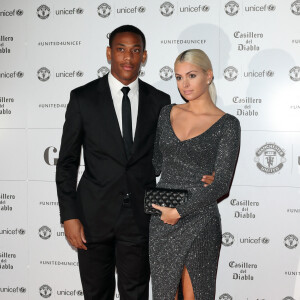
[116, 85]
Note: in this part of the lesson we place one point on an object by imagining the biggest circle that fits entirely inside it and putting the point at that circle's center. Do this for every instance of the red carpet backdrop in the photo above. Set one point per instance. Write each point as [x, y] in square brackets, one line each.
[49, 47]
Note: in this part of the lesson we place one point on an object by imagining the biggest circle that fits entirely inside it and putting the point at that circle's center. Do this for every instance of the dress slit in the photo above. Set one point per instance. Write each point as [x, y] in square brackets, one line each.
[180, 287]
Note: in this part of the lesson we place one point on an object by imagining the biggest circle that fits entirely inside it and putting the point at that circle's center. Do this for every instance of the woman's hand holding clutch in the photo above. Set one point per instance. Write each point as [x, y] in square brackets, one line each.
[168, 215]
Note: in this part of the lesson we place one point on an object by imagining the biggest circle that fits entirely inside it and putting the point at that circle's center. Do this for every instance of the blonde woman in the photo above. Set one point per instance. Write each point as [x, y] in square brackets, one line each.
[192, 139]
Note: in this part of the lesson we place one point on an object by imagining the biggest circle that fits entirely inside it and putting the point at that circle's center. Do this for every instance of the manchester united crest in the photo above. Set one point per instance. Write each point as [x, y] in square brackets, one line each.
[43, 74]
[225, 297]
[102, 71]
[104, 10]
[45, 291]
[232, 8]
[291, 241]
[43, 12]
[270, 158]
[45, 232]
[227, 239]
[166, 73]
[167, 9]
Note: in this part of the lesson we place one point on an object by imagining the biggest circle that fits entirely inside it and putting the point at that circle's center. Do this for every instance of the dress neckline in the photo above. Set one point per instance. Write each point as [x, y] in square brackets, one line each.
[196, 136]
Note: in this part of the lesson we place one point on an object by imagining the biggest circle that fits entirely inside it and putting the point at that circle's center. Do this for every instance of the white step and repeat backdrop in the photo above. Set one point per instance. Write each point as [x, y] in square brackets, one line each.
[49, 47]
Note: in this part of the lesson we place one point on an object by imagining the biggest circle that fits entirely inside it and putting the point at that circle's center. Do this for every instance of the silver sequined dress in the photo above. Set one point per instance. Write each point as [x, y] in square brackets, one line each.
[195, 240]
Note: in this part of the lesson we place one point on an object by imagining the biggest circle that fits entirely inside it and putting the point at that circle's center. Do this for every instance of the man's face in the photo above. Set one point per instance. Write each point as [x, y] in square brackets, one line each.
[126, 56]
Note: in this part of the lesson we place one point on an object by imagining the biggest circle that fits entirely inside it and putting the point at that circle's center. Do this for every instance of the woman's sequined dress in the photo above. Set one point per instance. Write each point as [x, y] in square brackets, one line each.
[195, 240]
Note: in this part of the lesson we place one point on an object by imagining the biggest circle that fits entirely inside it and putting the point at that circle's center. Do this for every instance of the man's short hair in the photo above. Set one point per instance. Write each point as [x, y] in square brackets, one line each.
[127, 28]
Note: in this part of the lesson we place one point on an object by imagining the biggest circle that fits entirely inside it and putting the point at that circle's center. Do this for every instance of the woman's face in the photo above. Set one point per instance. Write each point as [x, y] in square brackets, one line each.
[192, 81]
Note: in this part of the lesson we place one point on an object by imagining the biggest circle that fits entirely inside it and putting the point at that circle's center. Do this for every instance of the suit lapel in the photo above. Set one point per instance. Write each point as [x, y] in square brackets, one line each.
[110, 120]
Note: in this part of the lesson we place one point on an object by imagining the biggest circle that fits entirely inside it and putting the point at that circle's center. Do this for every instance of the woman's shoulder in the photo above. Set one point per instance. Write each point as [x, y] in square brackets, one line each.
[166, 109]
[232, 118]
[232, 121]
[168, 106]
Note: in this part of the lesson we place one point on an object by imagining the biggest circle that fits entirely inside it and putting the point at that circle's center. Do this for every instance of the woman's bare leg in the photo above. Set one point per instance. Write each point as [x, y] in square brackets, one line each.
[187, 288]
[176, 297]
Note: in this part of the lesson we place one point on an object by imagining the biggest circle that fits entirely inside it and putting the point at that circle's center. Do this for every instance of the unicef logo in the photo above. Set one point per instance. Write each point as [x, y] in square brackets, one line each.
[205, 8]
[295, 73]
[79, 293]
[104, 10]
[141, 73]
[288, 298]
[291, 241]
[167, 9]
[295, 8]
[225, 297]
[20, 74]
[231, 8]
[102, 71]
[271, 7]
[43, 74]
[22, 290]
[141, 9]
[21, 231]
[166, 73]
[45, 291]
[43, 12]
[270, 158]
[230, 73]
[19, 12]
[45, 232]
[265, 240]
[227, 240]
[79, 74]
[79, 11]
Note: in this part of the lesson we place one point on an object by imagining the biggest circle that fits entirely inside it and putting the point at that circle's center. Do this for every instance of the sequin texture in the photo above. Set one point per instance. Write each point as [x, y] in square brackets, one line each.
[195, 240]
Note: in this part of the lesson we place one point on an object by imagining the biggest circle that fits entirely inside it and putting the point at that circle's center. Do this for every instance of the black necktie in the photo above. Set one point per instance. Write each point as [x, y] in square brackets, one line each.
[126, 121]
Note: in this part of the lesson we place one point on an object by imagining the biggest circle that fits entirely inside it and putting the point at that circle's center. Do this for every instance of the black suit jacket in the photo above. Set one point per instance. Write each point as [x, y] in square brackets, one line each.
[91, 122]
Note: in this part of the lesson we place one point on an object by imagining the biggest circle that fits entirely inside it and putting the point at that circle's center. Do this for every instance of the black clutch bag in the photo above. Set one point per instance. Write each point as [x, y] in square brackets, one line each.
[163, 197]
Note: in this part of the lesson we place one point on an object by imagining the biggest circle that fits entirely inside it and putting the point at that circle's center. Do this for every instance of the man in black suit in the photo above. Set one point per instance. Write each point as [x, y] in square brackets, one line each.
[104, 217]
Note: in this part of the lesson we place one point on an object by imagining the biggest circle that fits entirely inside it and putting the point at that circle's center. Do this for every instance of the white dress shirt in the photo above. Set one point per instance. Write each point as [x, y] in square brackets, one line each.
[117, 96]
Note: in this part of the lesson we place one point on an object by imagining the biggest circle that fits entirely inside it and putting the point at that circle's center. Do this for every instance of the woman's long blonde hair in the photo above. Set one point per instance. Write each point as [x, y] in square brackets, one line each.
[199, 58]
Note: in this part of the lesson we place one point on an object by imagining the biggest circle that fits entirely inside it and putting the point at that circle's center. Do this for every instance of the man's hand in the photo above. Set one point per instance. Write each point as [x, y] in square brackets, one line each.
[168, 215]
[75, 234]
[208, 179]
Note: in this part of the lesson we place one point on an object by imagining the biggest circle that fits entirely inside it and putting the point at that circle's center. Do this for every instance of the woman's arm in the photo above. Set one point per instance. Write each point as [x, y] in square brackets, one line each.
[157, 155]
[227, 154]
